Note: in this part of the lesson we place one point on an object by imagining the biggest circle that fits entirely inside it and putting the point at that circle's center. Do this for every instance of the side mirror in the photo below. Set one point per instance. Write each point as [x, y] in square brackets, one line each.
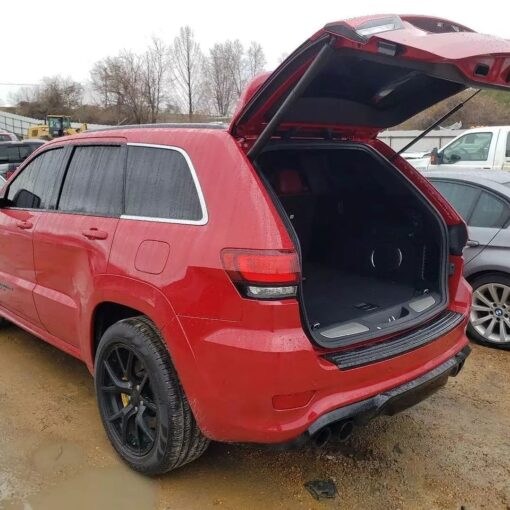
[436, 157]
[4, 202]
[26, 199]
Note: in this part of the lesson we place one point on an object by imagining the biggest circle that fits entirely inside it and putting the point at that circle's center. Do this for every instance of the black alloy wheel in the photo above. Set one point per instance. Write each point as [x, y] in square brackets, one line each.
[129, 399]
[143, 406]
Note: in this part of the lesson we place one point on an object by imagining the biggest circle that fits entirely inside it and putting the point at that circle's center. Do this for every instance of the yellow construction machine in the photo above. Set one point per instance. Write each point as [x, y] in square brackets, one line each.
[55, 126]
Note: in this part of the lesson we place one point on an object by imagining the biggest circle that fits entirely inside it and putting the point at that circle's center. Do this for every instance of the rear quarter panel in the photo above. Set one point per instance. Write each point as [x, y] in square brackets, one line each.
[240, 215]
[494, 257]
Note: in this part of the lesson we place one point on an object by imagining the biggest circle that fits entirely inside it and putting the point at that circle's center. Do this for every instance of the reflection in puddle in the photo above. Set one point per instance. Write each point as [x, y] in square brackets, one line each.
[98, 489]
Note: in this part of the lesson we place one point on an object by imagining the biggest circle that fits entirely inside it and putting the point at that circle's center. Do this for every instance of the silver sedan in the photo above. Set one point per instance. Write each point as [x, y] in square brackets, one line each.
[483, 200]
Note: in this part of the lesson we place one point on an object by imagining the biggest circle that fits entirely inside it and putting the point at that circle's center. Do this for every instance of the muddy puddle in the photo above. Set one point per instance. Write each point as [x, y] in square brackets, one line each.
[451, 451]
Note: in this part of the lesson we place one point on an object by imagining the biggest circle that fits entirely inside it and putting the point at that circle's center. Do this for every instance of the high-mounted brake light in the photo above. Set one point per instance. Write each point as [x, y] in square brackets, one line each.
[263, 274]
[376, 30]
[377, 26]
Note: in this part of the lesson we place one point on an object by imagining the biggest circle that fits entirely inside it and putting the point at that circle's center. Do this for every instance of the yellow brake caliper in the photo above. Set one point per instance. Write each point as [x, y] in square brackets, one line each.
[124, 396]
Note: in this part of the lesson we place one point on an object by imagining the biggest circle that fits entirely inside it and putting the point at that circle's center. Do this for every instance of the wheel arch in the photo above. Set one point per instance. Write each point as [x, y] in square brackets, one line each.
[485, 272]
[118, 298]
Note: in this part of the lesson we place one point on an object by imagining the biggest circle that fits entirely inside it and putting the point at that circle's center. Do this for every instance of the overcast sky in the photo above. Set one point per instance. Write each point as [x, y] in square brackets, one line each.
[64, 37]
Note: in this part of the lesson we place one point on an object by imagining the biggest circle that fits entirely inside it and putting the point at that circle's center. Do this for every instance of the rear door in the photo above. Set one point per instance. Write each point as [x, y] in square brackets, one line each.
[490, 214]
[72, 244]
[32, 193]
[484, 212]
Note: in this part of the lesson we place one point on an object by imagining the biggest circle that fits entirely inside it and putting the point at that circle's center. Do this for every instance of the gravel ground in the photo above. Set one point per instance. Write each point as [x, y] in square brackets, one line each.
[451, 451]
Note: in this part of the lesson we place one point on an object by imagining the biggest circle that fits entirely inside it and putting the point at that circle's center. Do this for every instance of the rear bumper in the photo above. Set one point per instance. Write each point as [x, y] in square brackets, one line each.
[395, 400]
[240, 375]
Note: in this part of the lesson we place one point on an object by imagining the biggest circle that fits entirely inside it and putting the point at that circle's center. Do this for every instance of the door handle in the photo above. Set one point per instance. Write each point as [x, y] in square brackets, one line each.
[24, 225]
[94, 233]
[472, 243]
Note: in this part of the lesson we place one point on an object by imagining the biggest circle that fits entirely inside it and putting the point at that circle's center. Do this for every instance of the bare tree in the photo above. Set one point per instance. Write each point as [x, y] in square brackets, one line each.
[235, 62]
[101, 82]
[220, 80]
[60, 93]
[228, 69]
[120, 82]
[188, 64]
[255, 59]
[156, 76]
[131, 85]
[55, 95]
[106, 84]
[24, 95]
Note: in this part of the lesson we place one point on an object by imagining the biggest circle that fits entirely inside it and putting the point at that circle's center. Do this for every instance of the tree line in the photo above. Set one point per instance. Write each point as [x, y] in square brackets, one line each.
[179, 81]
[161, 82]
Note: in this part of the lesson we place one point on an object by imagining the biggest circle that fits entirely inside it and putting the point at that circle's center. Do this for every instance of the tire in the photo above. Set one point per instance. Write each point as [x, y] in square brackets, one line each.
[3, 322]
[142, 404]
[489, 321]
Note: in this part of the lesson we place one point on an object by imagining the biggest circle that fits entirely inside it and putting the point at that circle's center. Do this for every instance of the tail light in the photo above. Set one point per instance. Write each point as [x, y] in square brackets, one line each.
[263, 274]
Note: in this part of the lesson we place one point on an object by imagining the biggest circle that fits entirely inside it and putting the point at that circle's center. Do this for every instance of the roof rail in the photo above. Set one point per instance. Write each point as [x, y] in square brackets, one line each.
[188, 125]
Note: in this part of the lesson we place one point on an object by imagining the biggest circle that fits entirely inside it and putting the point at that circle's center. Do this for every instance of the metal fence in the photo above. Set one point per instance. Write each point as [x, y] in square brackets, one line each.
[16, 123]
[19, 125]
[437, 138]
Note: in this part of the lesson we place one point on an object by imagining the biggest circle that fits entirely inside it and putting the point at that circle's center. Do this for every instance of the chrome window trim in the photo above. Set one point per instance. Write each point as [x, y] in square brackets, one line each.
[205, 216]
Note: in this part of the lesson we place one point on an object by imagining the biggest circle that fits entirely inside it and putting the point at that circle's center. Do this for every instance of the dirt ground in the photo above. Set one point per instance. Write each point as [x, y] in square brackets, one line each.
[452, 451]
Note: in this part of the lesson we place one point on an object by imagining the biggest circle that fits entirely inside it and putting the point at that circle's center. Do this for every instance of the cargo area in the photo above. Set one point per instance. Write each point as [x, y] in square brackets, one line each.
[372, 250]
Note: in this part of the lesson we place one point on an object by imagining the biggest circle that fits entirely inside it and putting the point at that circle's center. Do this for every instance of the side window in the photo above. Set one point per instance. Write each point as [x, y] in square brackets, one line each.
[159, 184]
[489, 212]
[94, 181]
[470, 147]
[25, 151]
[462, 197]
[37, 186]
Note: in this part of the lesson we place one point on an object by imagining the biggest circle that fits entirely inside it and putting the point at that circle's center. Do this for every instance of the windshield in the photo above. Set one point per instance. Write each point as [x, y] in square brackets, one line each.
[55, 122]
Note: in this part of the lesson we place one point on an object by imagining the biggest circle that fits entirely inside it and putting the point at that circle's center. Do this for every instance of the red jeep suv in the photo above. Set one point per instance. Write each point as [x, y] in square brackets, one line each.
[282, 278]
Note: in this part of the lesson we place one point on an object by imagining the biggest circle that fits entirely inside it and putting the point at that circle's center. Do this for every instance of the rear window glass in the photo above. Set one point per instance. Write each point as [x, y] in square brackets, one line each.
[159, 184]
[489, 212]
[94, 182]
[462, 197]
